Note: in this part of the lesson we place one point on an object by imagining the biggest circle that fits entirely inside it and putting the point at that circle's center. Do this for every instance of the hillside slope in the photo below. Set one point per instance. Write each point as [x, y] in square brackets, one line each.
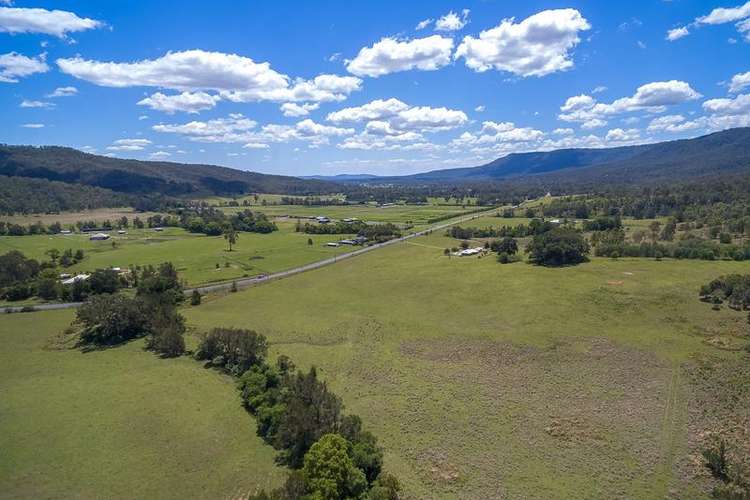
[726, 152]
[141, 177]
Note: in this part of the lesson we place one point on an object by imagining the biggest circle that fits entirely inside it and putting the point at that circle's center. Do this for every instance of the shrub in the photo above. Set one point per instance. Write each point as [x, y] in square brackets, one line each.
[233, 288]
[112, 319]
[233, 349]
[716, 459]
[195, 298]
[168, 342]
[558, 247]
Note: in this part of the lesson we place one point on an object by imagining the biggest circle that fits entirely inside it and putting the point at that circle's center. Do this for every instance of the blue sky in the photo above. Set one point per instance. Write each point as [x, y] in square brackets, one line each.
[381, 87]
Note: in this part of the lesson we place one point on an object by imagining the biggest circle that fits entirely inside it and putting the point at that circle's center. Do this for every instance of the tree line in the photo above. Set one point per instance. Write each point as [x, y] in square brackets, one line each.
[329, 453]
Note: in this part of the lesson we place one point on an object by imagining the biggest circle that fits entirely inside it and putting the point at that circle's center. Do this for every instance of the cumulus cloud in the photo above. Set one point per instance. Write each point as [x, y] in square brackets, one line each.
[391, 55]
[49, 22]
[652, 97]
[620, 135]
[236, 128]
[563, 131]
[537, 46]
[36, 104]
[296, 110]
[159, 155]
[423, 24]
[129, 145]
[229, 129]
[14, 66]
[452, 21]
[233, 77]
[677, 33]
[739, 82]
[188, 102]
[739, 105]
[724, 15]
[673, 124]
[400, 116]
[63, 92]
[720, 15]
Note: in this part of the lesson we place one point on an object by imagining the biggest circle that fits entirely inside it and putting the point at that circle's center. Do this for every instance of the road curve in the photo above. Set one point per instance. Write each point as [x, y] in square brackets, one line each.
[258, 280]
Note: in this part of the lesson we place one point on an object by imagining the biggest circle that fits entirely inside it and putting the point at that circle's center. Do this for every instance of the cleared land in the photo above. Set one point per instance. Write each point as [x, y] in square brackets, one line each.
[118, 423]
[195, 255]
[485, 380]
[64, 218]
[481, 380]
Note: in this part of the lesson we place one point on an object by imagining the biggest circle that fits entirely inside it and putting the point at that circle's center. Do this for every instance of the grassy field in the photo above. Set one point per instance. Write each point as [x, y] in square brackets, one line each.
[399, 214]
[64, 218]
[481, 380]
[194, 255]
[118, 423]
[484, 380]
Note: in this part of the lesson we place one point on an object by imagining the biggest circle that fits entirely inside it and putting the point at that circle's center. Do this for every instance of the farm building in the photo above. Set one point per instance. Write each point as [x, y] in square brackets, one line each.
[469, 251]
[122, 231]
[99, 237]
[332, 244]
[322, 219]
[77, 277]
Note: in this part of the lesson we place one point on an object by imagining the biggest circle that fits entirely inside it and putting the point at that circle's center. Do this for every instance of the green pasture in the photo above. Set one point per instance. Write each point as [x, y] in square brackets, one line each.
[487, 380]
[195, 255]
[118, 423]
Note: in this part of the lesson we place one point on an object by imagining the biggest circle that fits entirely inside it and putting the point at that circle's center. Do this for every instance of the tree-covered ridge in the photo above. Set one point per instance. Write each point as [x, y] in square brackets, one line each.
[28, 195]
[139, 177]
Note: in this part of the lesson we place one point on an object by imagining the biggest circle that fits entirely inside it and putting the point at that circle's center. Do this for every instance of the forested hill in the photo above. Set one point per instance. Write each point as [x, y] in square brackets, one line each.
[145, 177]
[726, 152]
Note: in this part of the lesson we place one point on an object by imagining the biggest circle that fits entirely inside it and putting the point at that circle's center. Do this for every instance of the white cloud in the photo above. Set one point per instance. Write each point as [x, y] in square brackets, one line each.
[129, 145]
[49, 22]
[537, 46]
[652, 97]
[255, 145]
[479, 109]
[725, 15]
[188, 102]
[230, 129]
[238, 129]
[452, 21]
[599, 89]
[740, 105]
[673, 124]
[63, 92]
[400, 116]
[593, 123]
[296, 110]
[620, 135]
[721, 15]
[14, 65]
[33, 125]
[36, 104]
[677, 33]
[159, 155]
[423, 24]
[739, 82]
[563, 131]
[236, 78]
[143, 117]
[390, 55]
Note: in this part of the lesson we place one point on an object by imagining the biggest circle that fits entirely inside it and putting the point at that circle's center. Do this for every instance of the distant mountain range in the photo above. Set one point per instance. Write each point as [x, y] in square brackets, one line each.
[145, 177]
[721, 153]
[718, 153]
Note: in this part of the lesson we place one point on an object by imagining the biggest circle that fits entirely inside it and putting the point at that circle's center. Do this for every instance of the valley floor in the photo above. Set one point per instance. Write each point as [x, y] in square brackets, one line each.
[481, 380]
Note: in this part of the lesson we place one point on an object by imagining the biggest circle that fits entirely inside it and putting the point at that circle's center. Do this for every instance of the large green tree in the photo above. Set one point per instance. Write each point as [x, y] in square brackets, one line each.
[330, 473]
[561, 246]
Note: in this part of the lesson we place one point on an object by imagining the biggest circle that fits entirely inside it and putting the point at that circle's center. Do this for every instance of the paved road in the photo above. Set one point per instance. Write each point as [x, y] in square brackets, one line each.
[257, 280]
